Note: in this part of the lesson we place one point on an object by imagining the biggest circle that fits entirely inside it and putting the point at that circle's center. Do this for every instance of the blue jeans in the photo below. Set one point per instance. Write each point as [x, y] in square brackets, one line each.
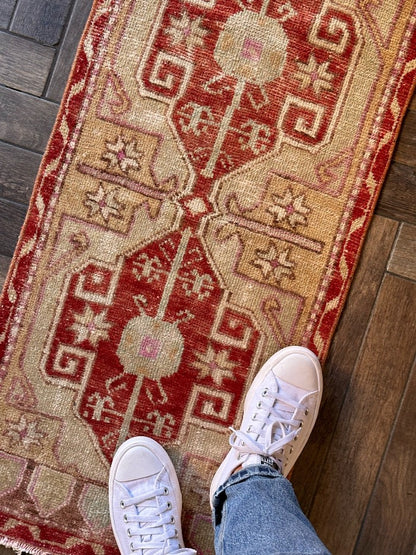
[256, 513]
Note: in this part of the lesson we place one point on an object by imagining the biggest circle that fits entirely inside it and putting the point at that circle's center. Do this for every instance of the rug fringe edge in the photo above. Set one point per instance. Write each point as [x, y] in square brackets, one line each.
[19, 547]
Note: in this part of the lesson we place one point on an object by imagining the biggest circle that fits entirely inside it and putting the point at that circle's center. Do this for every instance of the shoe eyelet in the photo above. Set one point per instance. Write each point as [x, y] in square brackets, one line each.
[125, 518]
[129, 532]
[265, 392]
[301, 424]
[132, 546]
[176, 533]
[169, 505]
[306, 412]
[166, 491]
[122, 504]
[172, 519]
[259, 405]
[295, 438]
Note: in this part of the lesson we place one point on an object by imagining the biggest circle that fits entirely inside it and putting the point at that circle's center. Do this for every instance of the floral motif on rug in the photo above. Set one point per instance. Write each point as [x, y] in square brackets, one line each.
[201, 204]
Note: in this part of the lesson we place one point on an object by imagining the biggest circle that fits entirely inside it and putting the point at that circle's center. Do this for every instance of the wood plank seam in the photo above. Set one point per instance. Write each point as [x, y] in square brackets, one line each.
[337, 374]
[338, 532]
[57, 50]
[12, 15]
[387, 448]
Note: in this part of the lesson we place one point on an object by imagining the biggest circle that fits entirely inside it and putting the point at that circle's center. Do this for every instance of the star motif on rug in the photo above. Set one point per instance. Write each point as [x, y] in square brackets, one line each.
[104, 203]
[289, 209]
[315, 75]
[186, 31]
[24, 432]
[216, 365]
[123, 155]
[90, 326]
[274, 264]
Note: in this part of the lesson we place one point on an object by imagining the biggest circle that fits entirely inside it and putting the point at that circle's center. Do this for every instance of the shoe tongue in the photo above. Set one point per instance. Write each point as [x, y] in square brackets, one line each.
[149, 508]
[255, 460]
[291, 392]
[283, 410]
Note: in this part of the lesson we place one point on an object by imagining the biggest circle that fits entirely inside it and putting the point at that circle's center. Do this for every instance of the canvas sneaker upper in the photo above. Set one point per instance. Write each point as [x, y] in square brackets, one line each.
[145, 500]
[280, 411]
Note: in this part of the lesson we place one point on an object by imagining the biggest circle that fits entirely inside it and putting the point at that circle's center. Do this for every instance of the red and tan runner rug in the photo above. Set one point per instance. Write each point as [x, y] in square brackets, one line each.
[202, 203]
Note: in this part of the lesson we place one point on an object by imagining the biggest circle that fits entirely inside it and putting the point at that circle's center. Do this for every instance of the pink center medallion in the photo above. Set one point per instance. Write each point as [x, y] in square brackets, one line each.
[150, 347]
[252, 49]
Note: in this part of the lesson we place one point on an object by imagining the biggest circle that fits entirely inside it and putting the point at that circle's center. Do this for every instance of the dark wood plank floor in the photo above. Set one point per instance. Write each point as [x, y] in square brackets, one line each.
[355, 479]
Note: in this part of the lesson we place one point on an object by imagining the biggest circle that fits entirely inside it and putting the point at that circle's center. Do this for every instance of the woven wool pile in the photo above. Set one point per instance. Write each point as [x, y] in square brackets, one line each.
[202, 203]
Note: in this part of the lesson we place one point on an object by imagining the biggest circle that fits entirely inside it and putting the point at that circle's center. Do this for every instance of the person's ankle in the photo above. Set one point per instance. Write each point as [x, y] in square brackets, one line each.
[258, 460]
[238, 469]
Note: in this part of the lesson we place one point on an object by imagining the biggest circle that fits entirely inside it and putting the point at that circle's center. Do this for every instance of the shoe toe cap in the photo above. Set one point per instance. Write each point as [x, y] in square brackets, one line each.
[137, 462]
[300, 370]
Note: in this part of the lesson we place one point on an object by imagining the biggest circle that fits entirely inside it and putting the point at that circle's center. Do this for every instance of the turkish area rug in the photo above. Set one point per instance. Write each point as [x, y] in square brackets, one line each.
[201, 204]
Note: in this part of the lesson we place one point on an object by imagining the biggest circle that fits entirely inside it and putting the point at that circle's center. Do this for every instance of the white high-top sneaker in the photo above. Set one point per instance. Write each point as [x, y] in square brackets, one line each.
[280, 411]
[145, 500]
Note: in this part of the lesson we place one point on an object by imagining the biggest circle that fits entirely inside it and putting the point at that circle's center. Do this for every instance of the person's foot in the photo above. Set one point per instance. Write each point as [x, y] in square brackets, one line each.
[145, 499]
[280, 411]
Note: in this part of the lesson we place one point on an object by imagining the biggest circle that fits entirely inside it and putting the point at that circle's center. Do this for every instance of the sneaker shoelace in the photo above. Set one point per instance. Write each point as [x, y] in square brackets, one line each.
[271, 429]
[155, 523]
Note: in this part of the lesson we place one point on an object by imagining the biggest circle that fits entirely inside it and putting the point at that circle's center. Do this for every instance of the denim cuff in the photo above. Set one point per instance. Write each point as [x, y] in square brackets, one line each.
[244, 474]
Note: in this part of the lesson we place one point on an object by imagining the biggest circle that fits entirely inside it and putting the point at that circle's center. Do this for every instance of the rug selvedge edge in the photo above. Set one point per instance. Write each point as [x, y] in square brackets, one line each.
[339, 286]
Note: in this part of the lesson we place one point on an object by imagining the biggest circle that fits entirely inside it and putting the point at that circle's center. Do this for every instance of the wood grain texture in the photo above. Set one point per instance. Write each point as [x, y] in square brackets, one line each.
[6, 11]
[18, 169]
[12, 216]
[4, 267]
[25, 120]
[24, 65]
[398, 195]
[68, 49]
[42, 20]
[390, 523]
[368, 414]
[343, 354]
[403, 258]
[405, 151]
